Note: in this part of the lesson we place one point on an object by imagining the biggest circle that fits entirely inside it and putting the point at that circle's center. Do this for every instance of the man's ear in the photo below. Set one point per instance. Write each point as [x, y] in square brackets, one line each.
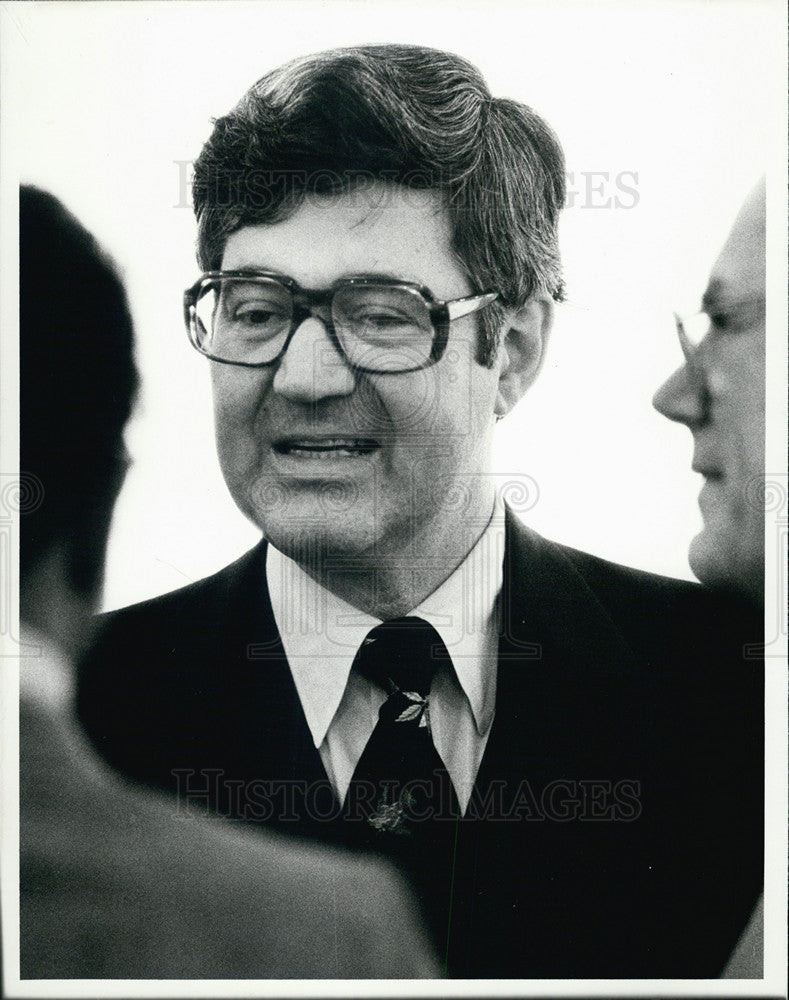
[522, 350]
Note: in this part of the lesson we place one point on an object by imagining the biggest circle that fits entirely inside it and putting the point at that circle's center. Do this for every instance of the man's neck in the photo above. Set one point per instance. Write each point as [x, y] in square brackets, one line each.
[49, 604]
[390, 583]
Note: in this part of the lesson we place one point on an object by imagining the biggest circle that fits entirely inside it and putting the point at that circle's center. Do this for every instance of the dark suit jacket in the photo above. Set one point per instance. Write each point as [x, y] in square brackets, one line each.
[616, 825]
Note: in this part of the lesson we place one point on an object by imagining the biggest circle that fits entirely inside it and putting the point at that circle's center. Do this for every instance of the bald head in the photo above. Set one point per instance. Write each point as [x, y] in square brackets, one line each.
[739, 271]
[719, 394]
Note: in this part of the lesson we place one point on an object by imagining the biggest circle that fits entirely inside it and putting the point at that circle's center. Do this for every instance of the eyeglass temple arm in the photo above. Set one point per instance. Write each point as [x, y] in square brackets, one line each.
[689, 353]
[684, 343]
[462, 307]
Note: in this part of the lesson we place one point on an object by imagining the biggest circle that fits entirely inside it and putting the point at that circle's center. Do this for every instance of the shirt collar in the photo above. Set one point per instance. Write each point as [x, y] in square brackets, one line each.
[321, 633]
[464, 612]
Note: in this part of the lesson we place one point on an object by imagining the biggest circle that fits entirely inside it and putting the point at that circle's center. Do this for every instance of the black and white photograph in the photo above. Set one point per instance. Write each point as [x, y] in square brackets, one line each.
[394, 505]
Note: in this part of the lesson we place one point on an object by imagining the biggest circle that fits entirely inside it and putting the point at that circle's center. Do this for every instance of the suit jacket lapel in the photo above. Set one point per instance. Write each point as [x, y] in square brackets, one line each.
[258, 678]
[569, 711]
[561, 661]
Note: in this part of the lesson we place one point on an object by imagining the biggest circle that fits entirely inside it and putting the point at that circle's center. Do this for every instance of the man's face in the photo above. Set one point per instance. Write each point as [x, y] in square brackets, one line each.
[720, 396]
[362, 464]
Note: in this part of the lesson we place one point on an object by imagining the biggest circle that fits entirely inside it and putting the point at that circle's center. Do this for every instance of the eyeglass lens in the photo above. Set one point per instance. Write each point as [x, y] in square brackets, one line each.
[380, 327]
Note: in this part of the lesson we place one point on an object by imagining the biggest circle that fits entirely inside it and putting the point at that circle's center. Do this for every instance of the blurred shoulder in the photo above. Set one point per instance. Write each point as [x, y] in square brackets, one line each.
[118, 881]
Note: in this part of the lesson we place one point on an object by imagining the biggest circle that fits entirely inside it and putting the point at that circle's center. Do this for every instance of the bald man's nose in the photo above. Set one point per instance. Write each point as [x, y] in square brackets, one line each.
[682, 397]
[312, 368]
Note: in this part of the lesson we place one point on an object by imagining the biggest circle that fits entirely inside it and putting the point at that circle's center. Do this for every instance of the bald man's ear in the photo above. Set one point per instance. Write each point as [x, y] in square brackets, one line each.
[522, 350]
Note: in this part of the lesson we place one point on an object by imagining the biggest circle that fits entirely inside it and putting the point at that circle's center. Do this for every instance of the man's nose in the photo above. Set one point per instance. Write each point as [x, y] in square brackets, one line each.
[312, 368]
[683, 397]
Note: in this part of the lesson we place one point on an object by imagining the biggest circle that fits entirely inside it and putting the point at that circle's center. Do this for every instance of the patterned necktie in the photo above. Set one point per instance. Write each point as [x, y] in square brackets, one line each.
[401, 795]
[400, 781]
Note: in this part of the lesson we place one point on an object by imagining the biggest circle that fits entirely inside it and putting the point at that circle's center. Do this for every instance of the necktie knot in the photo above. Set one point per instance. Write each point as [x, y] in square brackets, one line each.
[401, 656]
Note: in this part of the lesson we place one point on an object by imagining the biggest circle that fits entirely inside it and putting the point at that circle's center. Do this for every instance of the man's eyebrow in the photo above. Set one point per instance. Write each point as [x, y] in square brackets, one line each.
[252, 269]
[378, 276]
[719, 295]
[713, 295]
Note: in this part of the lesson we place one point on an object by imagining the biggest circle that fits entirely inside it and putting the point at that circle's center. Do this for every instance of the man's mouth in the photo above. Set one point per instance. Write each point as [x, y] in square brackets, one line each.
[322, 448]
[708, 472]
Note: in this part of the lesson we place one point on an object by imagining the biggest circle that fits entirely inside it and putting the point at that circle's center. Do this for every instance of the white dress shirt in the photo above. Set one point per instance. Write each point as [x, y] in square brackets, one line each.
[322, 633]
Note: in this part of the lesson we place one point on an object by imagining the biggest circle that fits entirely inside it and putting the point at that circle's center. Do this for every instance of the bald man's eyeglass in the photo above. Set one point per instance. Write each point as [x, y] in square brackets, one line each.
[691, 330]
[730, 317]
[378, 325]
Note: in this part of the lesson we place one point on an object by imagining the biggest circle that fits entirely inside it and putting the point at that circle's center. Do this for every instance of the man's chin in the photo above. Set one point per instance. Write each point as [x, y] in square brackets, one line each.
[312, 540]
[722, 557]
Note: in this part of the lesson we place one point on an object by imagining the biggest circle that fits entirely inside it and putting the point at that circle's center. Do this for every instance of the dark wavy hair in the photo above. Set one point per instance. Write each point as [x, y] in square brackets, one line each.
[414, 116]
[77, 386]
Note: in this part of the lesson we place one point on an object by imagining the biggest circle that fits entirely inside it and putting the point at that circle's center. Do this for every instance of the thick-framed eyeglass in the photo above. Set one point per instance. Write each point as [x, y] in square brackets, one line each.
[378, 325]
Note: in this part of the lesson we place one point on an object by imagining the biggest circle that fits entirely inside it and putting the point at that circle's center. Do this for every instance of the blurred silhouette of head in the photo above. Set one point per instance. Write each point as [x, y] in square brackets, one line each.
[77, 386]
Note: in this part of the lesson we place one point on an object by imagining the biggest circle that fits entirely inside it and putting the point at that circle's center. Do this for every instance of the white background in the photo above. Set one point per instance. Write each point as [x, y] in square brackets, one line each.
[108, 100]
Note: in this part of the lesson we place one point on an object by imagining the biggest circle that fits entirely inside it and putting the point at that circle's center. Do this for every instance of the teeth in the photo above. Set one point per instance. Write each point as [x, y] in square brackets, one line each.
[328, 446]
[325, 445]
